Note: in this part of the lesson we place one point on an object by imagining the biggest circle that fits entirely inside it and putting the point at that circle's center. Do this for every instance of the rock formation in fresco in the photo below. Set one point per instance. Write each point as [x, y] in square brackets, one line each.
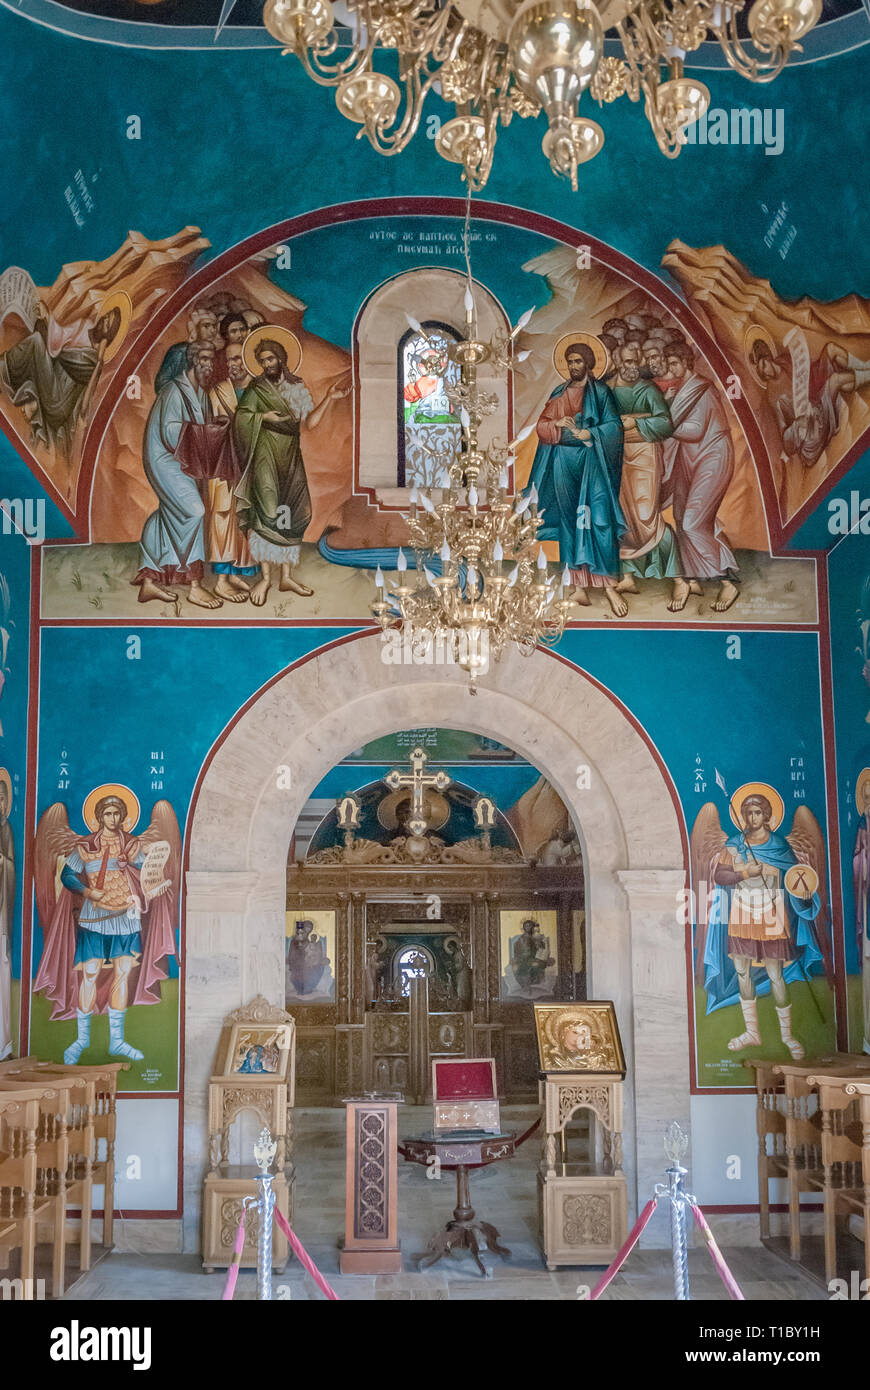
[584, 300]
[59, 322]
[804, 365]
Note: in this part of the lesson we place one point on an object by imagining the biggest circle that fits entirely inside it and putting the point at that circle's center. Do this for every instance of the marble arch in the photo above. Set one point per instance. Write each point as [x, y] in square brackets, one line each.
[309, 717]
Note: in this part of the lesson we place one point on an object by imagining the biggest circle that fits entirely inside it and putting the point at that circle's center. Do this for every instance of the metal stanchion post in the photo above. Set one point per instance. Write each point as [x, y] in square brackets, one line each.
[264, 1153]
[676, 1146]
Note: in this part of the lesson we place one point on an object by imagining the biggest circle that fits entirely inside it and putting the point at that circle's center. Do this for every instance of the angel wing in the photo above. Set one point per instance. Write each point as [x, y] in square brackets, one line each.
[54, 841]
[161, 843]
[163, 829]
[808, 843]
[707, 841]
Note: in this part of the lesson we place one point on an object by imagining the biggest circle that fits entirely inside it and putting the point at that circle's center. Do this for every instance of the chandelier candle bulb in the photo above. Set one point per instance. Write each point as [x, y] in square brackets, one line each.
[521, 322]
[401, 562]
[472, 496]
[426, 502]
[379, 578]
[542, 560]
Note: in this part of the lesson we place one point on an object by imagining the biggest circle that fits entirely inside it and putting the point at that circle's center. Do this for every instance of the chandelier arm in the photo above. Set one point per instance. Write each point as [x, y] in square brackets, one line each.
[755, 69]
[355, 62]
[393, 141]
[635, 59]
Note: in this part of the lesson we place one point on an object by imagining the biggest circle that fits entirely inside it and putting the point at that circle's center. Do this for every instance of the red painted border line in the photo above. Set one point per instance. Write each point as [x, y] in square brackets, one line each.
[829, 748]
[31, 765]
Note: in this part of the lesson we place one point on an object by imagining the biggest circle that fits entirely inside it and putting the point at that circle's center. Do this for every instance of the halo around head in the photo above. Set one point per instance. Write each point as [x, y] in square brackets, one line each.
[6, 781]
[119, 300]
[436, 809]
[602, 356]
[289, 342]
[777, 804]
[754, 334]
[862, 791]
[130, 800]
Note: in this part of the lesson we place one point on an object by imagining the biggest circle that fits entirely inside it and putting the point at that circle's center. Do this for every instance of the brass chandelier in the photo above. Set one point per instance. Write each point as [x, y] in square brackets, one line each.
[494, 59]
[481, 577]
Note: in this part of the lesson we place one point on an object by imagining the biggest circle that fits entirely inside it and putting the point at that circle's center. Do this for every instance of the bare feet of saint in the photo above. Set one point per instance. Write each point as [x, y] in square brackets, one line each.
[580, 596]
[726, 596]
[627, 585]
[259, 591]
[616, 601]
[289, 585]
[149, 590]
[233, 593]
[679, 596]
[203, 598]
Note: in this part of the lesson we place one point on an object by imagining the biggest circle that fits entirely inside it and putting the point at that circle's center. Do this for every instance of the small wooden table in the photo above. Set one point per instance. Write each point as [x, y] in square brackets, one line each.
[460, 1151]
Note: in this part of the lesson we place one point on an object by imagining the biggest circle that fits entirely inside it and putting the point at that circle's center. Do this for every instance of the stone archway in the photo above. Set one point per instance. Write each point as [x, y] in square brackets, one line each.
[342, 696]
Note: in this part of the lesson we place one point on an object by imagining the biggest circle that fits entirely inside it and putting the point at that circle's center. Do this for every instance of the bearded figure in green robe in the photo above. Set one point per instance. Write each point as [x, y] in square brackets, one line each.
[272, 498]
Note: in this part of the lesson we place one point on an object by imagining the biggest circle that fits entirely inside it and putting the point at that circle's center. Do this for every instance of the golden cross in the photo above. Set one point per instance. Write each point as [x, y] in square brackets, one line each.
[418, 779]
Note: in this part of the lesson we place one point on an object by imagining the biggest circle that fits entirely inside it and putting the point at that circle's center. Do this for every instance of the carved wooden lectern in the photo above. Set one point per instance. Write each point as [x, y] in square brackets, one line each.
[371, 1242]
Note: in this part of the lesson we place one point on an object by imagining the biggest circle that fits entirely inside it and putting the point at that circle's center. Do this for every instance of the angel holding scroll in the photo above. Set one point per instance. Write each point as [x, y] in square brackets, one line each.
[108, 904]
[764, 899]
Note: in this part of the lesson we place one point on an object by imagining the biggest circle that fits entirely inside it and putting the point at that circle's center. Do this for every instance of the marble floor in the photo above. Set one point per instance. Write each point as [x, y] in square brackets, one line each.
[504, 1193]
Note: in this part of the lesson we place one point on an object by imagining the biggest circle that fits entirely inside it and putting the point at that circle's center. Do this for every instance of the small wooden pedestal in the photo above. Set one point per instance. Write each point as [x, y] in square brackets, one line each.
[222, 1209]
[583, 1204]
[584, 1215]
[371, 1243]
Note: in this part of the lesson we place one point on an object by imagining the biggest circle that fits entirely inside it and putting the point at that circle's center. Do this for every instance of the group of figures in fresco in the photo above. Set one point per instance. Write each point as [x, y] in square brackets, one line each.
[632, 430]
[222, 454]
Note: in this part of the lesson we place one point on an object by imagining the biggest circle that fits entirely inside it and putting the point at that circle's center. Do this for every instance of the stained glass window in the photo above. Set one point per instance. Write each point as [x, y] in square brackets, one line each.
[429, 428]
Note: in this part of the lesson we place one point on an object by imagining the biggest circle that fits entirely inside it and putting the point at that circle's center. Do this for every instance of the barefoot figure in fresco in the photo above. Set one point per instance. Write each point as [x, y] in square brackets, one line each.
[108, 907]
[272, 498]
[577, 470]
[765, 898]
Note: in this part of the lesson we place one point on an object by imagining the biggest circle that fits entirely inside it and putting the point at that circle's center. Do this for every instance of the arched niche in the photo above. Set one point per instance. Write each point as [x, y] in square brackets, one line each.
[558, 718]
[429, 294]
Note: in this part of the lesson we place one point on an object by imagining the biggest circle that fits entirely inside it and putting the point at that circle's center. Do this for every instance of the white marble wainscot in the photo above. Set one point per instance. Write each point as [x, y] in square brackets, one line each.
[659, 1020]
[218, 967]
[148, 1237]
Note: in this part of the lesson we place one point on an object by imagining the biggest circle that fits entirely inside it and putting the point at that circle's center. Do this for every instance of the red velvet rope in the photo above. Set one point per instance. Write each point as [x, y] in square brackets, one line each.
[626, 1250]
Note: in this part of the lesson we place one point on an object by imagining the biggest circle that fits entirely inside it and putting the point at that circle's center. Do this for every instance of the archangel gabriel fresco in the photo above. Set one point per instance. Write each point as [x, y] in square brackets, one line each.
[237, 465]
[761, 933]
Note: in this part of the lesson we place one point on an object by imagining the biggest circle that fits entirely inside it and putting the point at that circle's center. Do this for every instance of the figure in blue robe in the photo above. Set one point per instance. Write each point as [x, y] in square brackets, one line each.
[760, 936]
[577, 472]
